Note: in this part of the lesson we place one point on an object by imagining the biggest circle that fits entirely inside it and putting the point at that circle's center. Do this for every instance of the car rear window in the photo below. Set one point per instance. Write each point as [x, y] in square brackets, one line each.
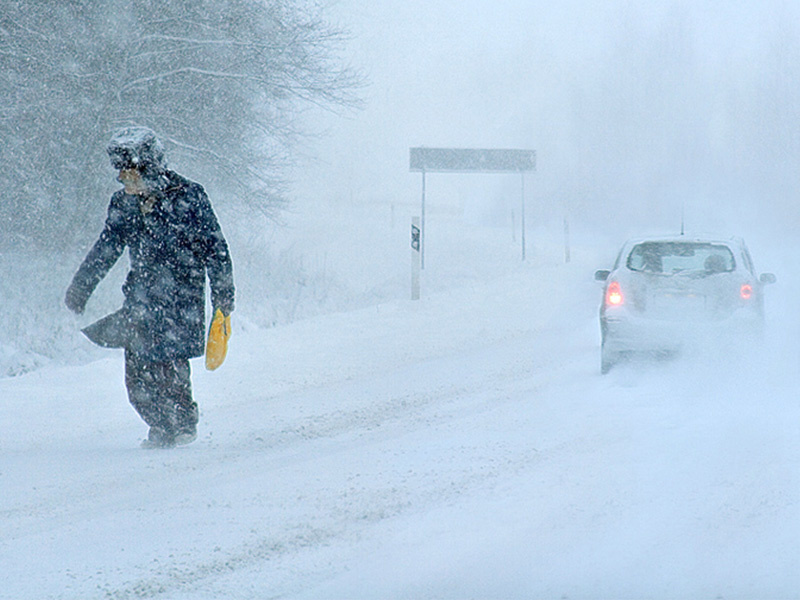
[676, 257]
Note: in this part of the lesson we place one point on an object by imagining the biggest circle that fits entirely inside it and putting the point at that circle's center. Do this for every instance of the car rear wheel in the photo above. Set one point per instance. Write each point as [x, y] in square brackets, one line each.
[607, 360]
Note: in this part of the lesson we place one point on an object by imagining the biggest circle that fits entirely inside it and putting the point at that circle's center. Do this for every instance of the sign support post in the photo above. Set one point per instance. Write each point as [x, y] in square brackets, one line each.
[422, 226]
[522, 209]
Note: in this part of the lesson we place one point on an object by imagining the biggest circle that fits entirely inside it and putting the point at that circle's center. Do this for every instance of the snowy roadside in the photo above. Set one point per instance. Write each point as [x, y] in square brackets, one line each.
[69, 440]
[462, 446]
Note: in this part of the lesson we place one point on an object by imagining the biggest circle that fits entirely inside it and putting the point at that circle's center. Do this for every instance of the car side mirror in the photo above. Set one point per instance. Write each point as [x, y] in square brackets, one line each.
[767, 278]
[602, 274]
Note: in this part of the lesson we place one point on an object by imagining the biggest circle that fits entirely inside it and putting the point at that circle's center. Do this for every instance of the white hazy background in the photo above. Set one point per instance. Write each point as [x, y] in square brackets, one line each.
[636, 109]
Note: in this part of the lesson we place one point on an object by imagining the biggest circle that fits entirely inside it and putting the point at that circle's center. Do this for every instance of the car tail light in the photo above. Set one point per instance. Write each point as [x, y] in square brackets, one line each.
[746, 291]
[614, 294]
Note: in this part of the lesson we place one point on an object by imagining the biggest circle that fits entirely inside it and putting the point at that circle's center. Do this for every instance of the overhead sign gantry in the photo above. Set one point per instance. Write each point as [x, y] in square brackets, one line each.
[470, 160]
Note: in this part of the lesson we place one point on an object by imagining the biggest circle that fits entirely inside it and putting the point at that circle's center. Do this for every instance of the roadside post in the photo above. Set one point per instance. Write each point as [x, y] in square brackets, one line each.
[415, 257]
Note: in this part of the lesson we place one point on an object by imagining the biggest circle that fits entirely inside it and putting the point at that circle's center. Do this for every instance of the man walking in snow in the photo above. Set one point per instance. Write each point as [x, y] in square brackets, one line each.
[173, 239]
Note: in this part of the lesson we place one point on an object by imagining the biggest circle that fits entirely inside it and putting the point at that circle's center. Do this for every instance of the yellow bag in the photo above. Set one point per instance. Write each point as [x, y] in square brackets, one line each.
[218, 335]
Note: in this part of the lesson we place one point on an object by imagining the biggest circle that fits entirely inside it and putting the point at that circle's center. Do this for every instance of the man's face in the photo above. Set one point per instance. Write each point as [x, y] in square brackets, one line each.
[132, 180]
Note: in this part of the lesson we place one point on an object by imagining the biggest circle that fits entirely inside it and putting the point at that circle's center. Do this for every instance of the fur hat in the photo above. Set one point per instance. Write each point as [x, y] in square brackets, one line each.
[137, 148]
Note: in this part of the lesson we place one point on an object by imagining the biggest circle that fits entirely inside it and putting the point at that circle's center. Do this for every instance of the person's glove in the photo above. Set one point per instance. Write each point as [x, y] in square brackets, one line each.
[75, 299]
[218, 335]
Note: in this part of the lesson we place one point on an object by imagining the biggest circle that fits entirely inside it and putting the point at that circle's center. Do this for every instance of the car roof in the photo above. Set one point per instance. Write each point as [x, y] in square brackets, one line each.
[699, 239]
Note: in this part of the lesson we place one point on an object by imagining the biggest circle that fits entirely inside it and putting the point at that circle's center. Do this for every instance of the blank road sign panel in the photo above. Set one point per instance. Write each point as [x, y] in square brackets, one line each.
[468, 160]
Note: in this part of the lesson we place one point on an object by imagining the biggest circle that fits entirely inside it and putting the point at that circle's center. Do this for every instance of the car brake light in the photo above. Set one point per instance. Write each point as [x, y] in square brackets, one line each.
[614, 294]
[746, 291]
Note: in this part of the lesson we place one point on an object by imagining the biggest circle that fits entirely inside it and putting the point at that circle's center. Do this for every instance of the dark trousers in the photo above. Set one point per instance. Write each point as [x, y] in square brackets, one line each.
[161, 392]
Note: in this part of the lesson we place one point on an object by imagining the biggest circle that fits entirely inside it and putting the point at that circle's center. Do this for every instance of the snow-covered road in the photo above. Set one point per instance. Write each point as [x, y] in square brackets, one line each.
[464, 446]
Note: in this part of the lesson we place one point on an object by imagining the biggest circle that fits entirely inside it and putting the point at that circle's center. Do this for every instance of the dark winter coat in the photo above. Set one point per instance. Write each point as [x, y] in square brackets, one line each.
[171, 248]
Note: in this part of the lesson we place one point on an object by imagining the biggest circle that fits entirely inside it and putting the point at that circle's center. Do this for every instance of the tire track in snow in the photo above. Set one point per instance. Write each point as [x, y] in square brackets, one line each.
[358, 503]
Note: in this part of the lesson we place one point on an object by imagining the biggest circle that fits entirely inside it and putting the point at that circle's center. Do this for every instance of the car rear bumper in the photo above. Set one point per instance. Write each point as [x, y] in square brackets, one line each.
[638, 334]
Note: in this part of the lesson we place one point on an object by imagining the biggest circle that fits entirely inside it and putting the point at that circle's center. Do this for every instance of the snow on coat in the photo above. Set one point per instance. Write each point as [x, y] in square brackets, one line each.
[172, 246]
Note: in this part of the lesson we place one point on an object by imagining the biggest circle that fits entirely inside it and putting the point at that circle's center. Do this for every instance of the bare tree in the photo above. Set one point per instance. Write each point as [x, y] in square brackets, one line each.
[221, 81]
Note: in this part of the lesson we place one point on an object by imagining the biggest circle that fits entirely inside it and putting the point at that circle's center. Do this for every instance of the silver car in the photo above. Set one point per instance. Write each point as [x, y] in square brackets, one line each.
[664, 293]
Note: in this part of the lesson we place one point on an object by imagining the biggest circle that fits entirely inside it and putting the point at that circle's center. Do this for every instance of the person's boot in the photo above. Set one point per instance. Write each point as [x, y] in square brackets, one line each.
[185, 436]
[158, 438]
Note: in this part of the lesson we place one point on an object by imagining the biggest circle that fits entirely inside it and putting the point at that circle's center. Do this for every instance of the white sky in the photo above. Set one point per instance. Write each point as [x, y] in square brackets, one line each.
[633, 107]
